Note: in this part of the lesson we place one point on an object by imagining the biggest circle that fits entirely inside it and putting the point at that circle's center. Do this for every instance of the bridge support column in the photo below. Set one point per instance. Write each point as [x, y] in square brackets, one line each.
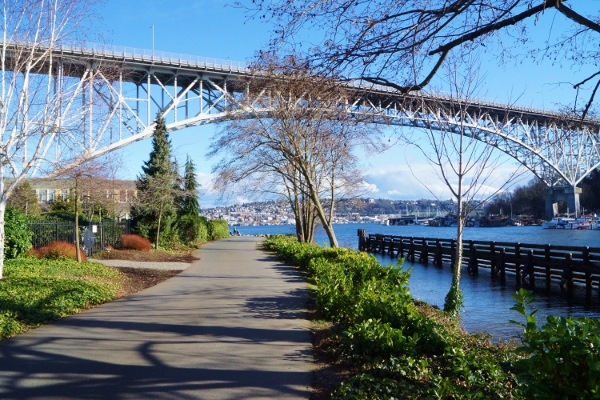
[569, 194]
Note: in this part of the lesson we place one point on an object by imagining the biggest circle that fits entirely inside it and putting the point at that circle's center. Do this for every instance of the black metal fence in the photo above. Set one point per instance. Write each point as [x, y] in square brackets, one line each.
[107, 233]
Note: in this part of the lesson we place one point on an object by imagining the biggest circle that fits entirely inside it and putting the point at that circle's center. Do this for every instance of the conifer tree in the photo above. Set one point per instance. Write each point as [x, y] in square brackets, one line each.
[189, 218]
[154, 213]
[189, 200]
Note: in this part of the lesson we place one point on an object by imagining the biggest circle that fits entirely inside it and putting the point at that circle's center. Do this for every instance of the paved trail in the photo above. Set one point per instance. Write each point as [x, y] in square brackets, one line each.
[231, 326]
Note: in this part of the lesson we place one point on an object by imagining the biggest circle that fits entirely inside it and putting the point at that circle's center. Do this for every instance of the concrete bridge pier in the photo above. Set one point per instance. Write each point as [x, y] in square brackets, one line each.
[555, 194]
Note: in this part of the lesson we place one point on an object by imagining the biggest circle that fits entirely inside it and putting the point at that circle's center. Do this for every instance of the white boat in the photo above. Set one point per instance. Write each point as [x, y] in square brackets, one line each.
[558, 223]
[584, 222]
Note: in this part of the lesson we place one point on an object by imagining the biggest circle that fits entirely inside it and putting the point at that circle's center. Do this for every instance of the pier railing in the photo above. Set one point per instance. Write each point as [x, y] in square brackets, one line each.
[528, 262]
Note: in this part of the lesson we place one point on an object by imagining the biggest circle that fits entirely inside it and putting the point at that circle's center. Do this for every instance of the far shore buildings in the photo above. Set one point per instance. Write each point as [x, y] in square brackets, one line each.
[118, 194]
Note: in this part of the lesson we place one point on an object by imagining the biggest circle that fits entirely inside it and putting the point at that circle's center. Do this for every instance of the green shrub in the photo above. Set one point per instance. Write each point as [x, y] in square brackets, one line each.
[189, 229]
[379, 330]
[203, 230]
[35, 291]
[17, 234]
[563, 356]
[217, 229]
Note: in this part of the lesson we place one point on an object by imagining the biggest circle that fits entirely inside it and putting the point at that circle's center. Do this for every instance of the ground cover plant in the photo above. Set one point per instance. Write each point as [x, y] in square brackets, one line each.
[37, 291]
[395, 346]
[562, 356]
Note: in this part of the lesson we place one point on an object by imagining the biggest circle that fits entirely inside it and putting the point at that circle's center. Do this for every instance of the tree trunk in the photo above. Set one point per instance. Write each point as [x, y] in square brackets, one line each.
[2, 213]
[158, 227]
[454, 299]
[77, 248]
[326, 224]
[314, 197]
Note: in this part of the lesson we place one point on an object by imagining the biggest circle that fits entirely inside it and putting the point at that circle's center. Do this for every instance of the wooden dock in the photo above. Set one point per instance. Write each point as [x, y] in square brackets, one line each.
[528, 262]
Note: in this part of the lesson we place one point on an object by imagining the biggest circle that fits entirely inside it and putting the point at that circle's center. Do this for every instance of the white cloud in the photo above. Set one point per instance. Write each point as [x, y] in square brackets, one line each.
[368, 188]
[397, 180]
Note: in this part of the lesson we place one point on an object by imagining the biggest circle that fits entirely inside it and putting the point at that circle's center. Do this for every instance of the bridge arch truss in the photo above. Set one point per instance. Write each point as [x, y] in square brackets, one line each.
[191, 91]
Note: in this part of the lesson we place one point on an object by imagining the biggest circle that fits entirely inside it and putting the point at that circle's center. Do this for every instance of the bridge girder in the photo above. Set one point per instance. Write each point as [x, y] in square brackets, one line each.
[130, 88]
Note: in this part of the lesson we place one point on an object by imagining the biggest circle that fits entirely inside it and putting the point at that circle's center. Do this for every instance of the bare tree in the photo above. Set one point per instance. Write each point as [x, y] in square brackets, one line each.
[404, 43]
[83, 181]
[42, 100]
[299, 141]
[467, 164]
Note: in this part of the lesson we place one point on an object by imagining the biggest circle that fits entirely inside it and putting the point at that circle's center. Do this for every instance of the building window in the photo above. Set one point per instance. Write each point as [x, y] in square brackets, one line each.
[51, 195]
[123, 196]
[42, 195]
[65, 194]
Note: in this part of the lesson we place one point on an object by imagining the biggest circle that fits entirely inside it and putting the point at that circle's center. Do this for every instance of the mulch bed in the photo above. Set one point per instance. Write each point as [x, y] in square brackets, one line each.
[152, 255]
[136, 279]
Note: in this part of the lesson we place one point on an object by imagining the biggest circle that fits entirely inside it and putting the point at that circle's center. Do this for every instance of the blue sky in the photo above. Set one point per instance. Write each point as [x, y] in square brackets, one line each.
[214, 28]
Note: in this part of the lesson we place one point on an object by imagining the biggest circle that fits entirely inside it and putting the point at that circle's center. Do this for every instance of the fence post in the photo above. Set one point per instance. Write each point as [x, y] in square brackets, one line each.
[502, 263]
[493, 262]
[362, 238]
[588, 271]
[473, 267]
[566, 280]
[530, 268]
[411, 250]
[518, 263]
[438, 253]
[424, 256]
[548, 260]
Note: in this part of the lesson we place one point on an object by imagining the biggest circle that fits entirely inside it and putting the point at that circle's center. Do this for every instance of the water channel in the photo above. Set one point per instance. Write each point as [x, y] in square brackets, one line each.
[487, 302]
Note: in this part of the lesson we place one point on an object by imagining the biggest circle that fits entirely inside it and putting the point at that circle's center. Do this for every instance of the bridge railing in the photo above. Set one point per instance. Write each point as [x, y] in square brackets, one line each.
[156, 56]
[125, 53]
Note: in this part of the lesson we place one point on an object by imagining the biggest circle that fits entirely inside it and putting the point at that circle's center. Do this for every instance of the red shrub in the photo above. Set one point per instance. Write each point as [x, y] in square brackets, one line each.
[135, 242]
[59, 249]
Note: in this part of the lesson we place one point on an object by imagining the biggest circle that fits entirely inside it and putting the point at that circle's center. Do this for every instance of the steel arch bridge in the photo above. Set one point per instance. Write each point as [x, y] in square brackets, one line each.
[128, 87]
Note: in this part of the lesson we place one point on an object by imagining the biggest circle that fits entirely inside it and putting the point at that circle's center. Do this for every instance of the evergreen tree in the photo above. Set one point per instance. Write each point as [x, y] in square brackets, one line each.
[189, 219]
[189, 201]
[24, 200]
[155, 213]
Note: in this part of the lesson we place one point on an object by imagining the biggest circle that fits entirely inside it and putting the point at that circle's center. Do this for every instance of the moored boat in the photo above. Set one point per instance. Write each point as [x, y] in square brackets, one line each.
[583, 222]
[558, 223]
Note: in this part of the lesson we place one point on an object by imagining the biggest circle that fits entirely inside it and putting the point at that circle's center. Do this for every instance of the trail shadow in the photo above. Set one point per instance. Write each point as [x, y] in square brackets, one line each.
[50, 375]
[292, 305]
[196, 336]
